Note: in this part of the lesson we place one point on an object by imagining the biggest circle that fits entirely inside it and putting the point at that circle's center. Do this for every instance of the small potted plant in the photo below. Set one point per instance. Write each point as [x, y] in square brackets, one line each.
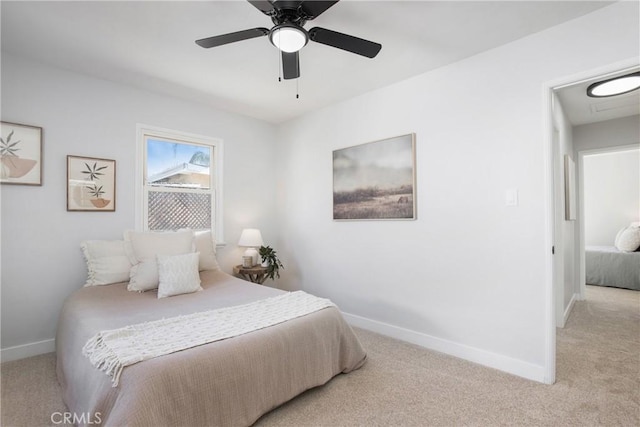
[271, 261]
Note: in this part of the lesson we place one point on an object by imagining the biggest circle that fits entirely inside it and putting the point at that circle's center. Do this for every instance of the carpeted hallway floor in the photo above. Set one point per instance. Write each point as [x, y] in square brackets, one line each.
[598, 382]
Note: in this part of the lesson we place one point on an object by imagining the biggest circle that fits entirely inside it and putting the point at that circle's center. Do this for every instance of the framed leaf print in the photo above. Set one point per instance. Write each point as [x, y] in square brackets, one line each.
[20, 154]
[91, 184]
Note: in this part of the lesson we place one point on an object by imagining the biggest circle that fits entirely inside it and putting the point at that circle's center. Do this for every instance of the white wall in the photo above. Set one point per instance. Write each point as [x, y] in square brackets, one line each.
[607, 134]
[612, 194]
[468, 276]
[41, 259]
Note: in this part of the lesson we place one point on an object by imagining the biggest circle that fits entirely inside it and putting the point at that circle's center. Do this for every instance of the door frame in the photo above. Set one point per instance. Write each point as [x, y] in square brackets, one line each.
[548, 89]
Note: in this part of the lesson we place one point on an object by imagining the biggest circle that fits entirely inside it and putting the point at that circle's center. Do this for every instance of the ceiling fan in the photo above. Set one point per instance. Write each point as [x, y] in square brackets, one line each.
[289, 36]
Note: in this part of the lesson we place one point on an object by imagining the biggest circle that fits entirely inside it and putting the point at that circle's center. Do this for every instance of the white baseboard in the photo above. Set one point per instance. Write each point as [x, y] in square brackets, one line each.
[567, 311]
[472, 354]
[493, 360]
[27, 350]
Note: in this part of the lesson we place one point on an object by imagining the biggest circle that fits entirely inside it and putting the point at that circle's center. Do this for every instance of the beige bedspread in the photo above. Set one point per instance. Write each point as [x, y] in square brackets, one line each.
[225, 383]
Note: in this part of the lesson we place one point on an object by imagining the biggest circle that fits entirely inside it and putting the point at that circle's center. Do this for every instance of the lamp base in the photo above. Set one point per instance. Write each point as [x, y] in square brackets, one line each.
[253, 253]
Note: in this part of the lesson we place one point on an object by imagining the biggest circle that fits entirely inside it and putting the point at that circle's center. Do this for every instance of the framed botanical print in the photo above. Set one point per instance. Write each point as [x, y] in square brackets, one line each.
[20, 154]
[91, 184]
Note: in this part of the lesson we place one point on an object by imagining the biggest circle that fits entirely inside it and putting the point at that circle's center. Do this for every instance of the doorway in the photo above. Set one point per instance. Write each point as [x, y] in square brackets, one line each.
[610, 199]
[564, 250]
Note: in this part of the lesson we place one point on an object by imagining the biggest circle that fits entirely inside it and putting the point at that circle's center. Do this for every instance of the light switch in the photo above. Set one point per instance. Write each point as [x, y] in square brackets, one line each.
[511, 198]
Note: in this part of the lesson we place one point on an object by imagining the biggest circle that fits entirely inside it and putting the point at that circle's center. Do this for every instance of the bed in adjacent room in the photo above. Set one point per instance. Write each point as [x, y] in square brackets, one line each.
[616, 266]
[230, 381]
[609, 266]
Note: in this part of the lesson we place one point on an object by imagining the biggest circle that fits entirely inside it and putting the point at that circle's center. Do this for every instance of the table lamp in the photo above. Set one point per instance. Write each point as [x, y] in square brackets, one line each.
[252, 239]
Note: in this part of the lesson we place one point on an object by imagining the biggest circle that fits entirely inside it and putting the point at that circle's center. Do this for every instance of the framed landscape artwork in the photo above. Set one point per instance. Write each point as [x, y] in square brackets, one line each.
[375, 181]
[91, 184]
[20, 154]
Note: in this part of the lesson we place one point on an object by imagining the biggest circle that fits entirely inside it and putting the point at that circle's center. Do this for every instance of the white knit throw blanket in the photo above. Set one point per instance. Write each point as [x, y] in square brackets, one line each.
[112, 350]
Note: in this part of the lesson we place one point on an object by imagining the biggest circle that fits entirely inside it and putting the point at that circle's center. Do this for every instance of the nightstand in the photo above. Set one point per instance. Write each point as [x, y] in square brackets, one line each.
[255, 274]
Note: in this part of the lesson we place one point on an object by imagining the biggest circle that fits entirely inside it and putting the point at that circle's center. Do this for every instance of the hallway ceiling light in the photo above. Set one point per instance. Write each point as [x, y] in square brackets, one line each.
[615, 86]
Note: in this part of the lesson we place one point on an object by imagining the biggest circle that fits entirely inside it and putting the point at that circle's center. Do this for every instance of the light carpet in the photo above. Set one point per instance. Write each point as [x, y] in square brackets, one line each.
[598, 382]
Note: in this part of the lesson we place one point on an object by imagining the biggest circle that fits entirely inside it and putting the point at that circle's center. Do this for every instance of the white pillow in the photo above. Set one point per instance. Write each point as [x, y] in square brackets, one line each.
[206, 245]
[143, 249]
[178, 274]
[107, 262]
[629, 240]
[615, 242]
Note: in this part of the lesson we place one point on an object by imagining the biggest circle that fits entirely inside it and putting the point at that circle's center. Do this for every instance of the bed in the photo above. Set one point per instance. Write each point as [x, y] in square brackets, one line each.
[231, 382]
[607, 266]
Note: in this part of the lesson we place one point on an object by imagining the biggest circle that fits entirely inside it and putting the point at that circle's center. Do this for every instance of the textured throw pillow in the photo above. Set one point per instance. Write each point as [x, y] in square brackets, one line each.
[178, 274]
[629, 240]
[617, 239]
[206, 245]
[143, 249]
[107, 262]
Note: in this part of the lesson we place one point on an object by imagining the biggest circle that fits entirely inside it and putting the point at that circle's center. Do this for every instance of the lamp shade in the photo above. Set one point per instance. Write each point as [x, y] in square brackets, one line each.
[250, 237]
[288, 38]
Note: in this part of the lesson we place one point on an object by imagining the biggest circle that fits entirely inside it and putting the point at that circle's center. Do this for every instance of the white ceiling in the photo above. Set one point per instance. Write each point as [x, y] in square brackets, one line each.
[582, 109]
[151, 45]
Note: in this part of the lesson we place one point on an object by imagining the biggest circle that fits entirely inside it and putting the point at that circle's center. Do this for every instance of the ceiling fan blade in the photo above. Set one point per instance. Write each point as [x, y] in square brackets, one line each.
[345, 42]
[313, 9]
[263, 6]
[232, 37]
[290, 65]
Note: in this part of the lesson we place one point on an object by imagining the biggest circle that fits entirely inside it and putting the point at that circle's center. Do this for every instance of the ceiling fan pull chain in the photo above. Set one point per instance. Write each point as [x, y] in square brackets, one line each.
[279, 67]
[298, 79]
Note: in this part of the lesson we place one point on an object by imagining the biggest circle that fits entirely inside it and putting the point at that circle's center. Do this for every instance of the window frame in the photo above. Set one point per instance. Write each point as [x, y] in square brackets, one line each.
[142, 189]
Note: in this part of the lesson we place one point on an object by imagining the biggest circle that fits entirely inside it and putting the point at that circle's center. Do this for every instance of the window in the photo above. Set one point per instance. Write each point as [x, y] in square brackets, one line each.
[178, 181]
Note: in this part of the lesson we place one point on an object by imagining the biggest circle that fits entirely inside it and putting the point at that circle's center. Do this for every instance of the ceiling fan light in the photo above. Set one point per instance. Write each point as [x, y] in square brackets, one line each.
[288, 38]
[615, 86]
